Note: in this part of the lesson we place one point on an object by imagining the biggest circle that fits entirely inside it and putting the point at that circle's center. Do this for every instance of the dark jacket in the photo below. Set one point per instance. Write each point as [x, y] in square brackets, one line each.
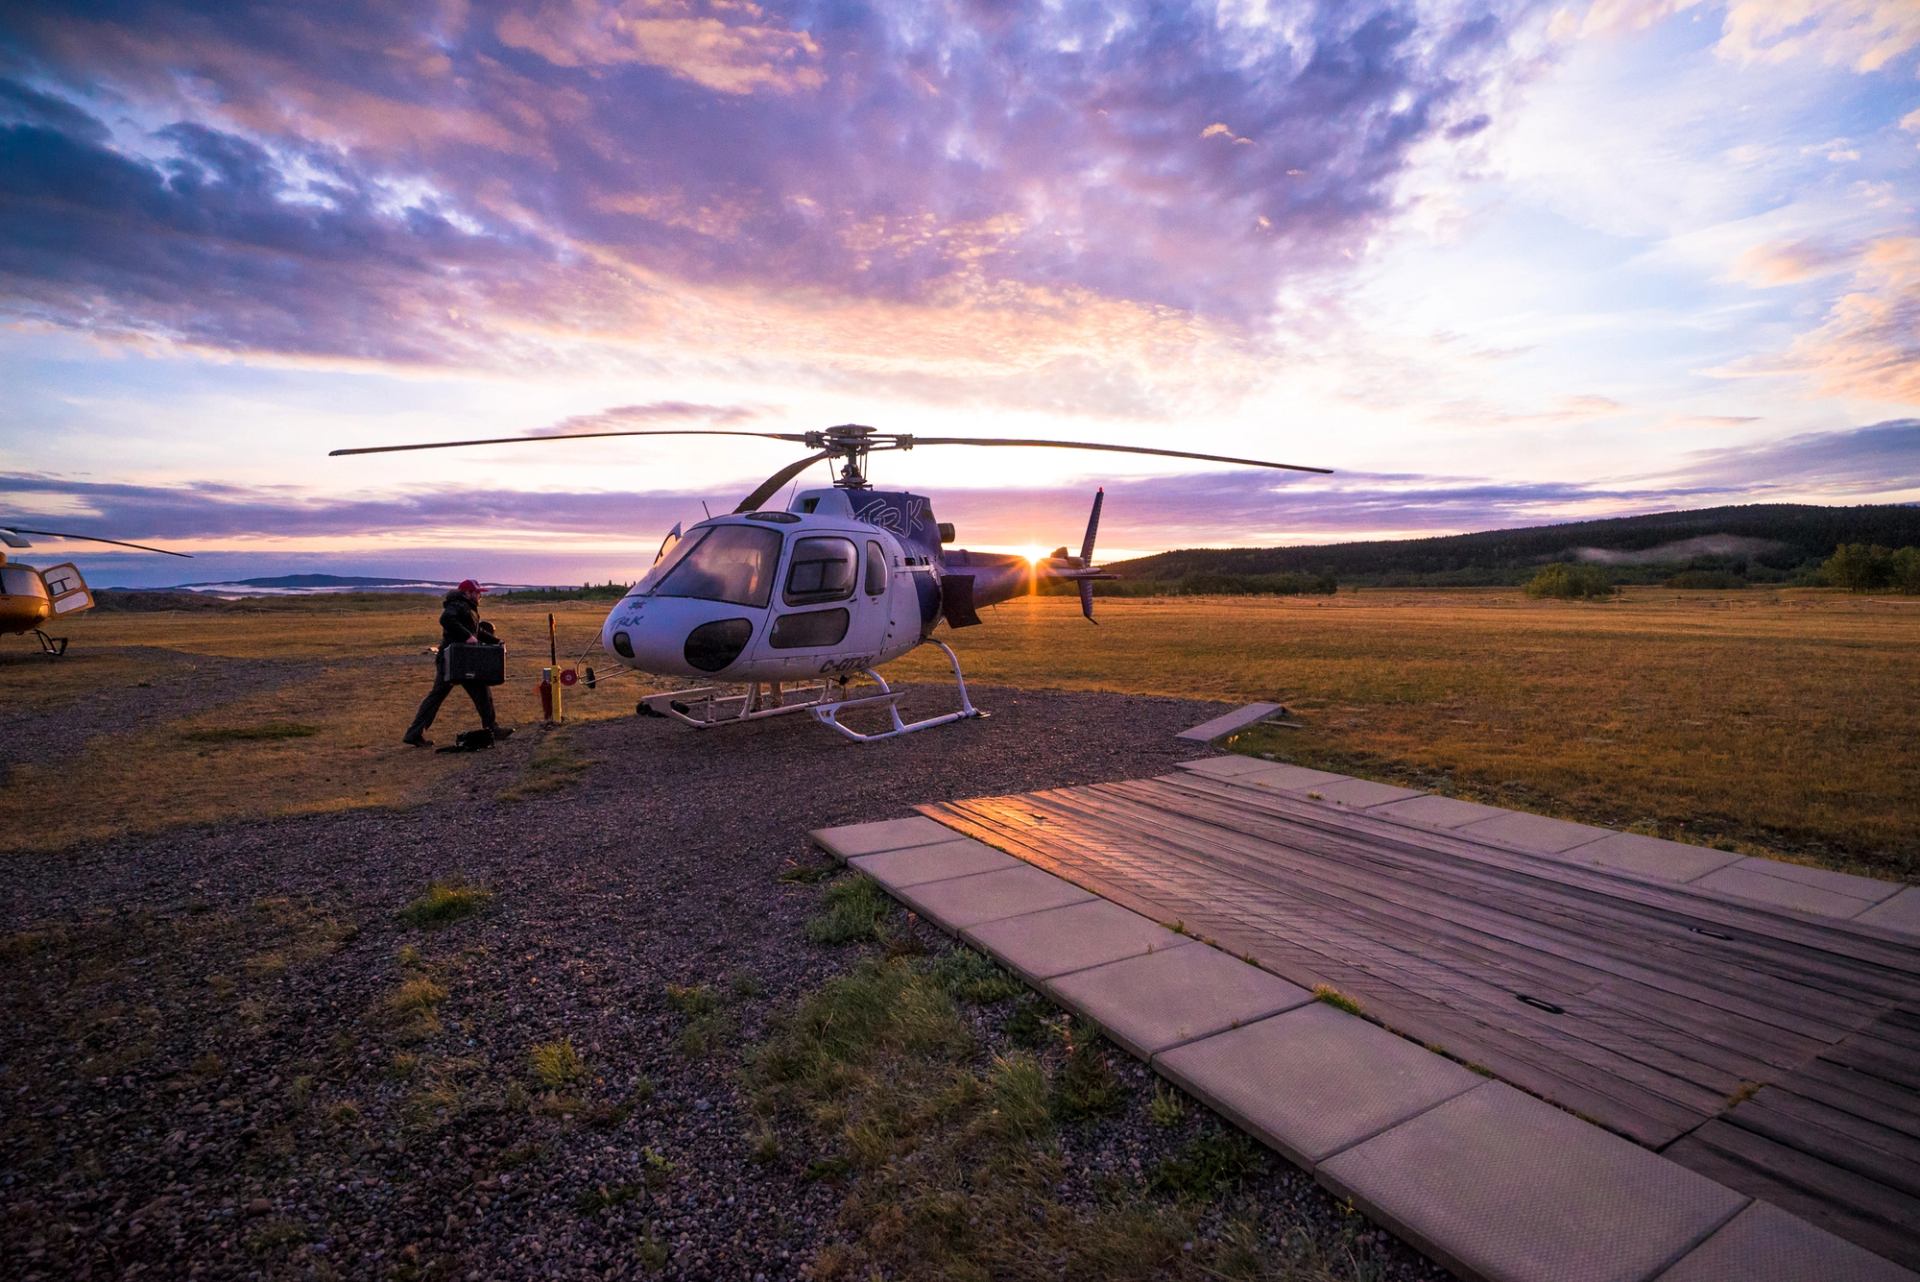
[460, 622]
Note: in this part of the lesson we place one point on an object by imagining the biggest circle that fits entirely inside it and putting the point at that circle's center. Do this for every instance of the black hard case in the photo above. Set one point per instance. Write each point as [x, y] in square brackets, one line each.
[485, 664]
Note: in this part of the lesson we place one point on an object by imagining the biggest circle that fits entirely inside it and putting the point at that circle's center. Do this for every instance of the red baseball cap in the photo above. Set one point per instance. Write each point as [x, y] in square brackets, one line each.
[469, 587]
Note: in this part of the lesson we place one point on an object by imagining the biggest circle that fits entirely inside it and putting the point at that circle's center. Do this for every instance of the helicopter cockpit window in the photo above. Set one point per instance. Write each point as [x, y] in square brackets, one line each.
[822, 569]
[876, 569]
[732, 563]
[17, 580]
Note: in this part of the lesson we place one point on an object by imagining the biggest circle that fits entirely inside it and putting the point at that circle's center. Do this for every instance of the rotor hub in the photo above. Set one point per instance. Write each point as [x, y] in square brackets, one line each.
[850, 443]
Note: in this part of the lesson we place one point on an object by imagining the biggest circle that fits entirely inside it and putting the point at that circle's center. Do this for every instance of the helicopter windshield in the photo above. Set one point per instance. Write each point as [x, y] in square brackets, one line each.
[732, 563]
[18, 580]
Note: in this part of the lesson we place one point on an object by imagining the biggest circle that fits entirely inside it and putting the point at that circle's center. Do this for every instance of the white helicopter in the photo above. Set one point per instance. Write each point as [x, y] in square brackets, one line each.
[795, 605]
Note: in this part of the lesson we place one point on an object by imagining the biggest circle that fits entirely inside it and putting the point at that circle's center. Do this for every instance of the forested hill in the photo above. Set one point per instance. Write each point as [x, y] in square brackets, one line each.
[1760, 542]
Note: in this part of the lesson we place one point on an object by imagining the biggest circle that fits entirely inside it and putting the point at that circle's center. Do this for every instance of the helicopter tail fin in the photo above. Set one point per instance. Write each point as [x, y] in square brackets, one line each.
[1093, 528]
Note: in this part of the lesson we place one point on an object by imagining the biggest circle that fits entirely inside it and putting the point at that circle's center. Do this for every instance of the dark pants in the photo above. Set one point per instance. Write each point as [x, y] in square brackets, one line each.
[430, 706]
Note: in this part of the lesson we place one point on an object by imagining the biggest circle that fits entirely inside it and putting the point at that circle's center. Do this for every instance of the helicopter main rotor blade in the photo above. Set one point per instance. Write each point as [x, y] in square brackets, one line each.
[558, 436]
[771, 486]
[94, 538]
[1113, 449]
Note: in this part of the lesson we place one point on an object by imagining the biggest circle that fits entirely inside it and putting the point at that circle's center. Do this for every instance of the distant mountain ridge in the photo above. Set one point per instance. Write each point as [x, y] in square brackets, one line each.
[1772, 542]
[312, 584]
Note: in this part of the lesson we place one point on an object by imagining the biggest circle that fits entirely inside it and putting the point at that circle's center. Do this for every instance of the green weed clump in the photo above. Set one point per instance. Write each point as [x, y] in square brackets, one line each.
[417, 994]
[1032, 1023]
[604, 1197]
[413, 1007]
[1337, 999]
[1087, 1087]
[443, 902]
[1565, 582]
[1209, 1167]
[972, 977]
[852, 909]
[557, 1065]
[1017, 1097]
[692, 999]
[1167, 1107]
[806, 874]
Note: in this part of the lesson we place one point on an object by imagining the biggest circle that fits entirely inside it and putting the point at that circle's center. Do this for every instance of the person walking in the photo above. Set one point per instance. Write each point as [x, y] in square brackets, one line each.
[459, 625]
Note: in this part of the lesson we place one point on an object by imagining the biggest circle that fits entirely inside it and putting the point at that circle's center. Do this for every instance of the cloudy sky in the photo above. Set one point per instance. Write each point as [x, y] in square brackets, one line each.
[1496, 263]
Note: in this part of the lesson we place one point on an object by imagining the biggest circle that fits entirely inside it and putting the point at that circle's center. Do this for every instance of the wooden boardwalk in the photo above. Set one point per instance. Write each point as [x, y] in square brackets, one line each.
[1774, 1052]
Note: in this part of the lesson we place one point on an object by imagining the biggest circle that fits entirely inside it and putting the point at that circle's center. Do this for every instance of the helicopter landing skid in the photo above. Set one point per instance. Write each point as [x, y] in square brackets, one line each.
[890, 698]
[52, 647]
[706, 707]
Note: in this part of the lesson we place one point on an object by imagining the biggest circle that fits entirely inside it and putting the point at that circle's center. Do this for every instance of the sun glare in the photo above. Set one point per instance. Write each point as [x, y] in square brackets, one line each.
[1035, 555]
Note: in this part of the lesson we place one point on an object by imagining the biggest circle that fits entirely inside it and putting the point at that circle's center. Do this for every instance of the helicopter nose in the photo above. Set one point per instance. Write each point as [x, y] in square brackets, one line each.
[677, 637]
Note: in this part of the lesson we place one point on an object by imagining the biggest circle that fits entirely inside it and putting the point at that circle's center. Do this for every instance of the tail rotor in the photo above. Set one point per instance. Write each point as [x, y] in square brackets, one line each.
[1086, 555]
[1080, 570]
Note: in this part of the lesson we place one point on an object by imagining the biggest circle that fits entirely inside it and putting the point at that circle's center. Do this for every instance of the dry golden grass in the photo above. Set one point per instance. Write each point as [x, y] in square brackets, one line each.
[200, 769]
[1785, 721]
[159, 776]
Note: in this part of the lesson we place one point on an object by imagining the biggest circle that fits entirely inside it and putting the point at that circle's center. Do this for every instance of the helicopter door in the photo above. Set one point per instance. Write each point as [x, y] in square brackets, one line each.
[67, 589]
[870, 618]
[824, 616]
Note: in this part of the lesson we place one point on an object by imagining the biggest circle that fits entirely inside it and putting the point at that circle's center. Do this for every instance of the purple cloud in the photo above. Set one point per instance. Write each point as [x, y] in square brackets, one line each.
[215, 244]
[379, 180]
[617, 418]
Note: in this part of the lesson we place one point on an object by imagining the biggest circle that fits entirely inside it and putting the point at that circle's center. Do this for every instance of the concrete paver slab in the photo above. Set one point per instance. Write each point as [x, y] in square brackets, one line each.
[1227, 767]
[1498, 1185]
[1871, 889]
[1765, 1244]
[960, 857]
[1280, 777]
[849, 840]
[1361, 793]
[1536, 833]
[1314, 1080]
[1438, 812]
[1738, 879]
[1227, 723]
[1158, 1000]
[959, 902]
[1062, 940]
[1899, 912]
[1651, 857]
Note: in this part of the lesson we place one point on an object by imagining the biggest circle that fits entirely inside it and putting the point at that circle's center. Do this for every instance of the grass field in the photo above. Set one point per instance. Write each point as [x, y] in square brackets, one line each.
[1781, 722]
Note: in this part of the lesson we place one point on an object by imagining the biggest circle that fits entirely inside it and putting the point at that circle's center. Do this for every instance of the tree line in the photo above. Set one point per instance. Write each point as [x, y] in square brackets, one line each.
[1868, 567]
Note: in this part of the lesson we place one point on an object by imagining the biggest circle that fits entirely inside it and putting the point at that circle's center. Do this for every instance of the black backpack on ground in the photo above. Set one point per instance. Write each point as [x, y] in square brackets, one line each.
[470, 741]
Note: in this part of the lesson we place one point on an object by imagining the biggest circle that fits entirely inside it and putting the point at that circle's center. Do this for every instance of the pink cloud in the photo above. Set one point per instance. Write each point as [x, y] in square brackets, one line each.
[1869, 345]
[726, 47]
[1791, 262]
